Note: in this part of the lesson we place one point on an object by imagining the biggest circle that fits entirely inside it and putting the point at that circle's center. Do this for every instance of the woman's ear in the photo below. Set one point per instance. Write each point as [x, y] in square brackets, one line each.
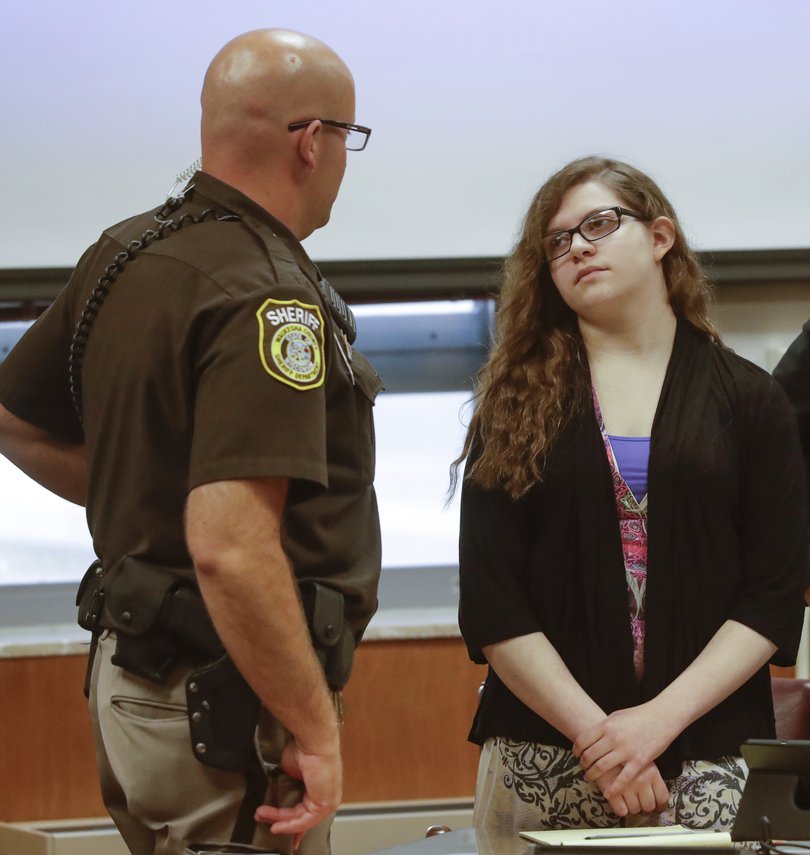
[662, 230]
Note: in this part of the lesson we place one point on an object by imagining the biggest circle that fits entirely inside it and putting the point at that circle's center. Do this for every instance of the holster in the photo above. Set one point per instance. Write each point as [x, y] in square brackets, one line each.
[158, 616]
[160, 620]
[332, 637]
[222, 715]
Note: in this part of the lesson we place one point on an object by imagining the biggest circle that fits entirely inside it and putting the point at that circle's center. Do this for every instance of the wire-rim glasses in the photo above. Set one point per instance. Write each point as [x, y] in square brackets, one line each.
[356, 135]
[594, 227]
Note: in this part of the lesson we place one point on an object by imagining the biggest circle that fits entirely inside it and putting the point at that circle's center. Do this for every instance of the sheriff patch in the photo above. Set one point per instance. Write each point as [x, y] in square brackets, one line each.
[291, 342]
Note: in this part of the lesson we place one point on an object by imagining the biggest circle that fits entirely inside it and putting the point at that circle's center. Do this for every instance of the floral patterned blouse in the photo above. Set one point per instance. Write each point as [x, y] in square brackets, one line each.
[633, 530]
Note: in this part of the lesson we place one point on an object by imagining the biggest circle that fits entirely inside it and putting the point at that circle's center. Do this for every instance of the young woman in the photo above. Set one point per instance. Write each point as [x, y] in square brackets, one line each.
[632, 525]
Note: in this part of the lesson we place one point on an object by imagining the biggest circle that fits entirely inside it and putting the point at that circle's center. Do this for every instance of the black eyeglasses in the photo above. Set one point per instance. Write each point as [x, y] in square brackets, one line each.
[356, 135]
[593, 227]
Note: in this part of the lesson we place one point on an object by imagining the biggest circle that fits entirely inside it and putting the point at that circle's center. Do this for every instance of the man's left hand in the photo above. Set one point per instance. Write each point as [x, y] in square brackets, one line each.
[322, 775]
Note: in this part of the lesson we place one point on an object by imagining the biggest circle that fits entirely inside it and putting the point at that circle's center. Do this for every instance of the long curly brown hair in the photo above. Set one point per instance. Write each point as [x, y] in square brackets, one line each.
[536, 376]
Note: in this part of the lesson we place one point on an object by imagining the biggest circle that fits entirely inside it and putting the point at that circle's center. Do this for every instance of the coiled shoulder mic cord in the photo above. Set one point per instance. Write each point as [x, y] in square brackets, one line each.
[166, 226]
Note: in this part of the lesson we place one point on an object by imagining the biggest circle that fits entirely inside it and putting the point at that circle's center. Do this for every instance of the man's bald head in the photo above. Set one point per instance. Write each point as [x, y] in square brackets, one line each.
[271, 76]
[257, 85]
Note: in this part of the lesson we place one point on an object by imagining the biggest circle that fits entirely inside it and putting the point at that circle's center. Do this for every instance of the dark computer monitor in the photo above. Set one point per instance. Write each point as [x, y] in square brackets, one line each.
[777, 789]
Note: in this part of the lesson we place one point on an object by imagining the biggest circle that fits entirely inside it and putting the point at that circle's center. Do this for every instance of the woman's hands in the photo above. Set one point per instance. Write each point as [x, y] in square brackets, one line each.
[534, 672]
[628, 740]
[617, 755]
[646, 793]
[617, 751]
[624, 744]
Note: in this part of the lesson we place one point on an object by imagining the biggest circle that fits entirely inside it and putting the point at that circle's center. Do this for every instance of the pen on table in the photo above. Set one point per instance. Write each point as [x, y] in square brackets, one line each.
[636, 834]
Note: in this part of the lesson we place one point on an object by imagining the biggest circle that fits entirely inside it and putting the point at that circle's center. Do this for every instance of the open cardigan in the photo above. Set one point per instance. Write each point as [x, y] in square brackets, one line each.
[726, 540]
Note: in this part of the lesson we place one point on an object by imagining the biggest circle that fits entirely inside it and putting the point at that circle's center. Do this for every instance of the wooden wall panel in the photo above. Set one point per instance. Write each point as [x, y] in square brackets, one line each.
[782, 671]
[410, 706]
[409, 710]
[47, 762]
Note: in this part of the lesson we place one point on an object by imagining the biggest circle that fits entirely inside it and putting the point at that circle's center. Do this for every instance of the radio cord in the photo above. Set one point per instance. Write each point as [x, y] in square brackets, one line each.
[81, 334]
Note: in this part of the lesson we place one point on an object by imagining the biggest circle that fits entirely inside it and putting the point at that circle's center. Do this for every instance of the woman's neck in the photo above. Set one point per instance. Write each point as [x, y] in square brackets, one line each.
[627, 368]
[641, 335]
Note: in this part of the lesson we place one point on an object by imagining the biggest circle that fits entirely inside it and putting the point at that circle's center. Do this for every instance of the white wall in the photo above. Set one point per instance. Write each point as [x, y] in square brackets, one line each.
[760, 321]
[472, 104]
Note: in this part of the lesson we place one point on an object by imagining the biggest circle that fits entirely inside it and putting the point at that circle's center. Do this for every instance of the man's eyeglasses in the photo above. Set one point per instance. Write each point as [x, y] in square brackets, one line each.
[593, 227]
[356, 135]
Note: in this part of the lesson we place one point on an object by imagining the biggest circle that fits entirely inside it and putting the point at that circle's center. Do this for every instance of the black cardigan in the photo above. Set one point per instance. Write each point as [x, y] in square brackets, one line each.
[793, 374]
[726, 540]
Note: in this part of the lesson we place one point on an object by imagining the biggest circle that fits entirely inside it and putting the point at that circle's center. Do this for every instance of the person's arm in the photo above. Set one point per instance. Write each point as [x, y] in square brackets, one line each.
[500, 627]
[55, 464]
[793, 374]
[765, 616]
[234, 537]
[533, 671]
[632, 738]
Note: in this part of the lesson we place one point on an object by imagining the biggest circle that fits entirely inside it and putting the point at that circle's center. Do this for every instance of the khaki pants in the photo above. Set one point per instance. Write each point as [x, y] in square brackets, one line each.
[159, 795]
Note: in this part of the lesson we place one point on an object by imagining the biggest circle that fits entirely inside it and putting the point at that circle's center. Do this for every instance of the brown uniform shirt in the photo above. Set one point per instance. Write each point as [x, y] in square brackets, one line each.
[213, 357]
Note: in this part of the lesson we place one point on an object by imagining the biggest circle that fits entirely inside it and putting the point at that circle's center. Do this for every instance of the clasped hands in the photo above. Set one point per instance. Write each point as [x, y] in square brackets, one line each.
[617, 755]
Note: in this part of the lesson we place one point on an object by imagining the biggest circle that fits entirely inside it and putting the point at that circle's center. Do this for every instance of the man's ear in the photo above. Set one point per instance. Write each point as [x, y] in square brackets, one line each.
[308, 144]
[662, 230]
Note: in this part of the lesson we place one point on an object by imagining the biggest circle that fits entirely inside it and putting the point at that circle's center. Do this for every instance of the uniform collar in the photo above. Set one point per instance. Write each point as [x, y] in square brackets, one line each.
[222, 195]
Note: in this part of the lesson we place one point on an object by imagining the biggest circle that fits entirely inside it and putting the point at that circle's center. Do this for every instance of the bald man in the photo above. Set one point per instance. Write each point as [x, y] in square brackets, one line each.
[195, 385]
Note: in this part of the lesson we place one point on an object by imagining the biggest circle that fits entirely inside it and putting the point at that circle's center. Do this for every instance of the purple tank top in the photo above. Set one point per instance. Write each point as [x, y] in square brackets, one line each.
[632, 455]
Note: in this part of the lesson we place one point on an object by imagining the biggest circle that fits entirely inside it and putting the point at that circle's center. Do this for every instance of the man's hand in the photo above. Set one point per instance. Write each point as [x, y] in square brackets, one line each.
[322, 775]
[233, 529]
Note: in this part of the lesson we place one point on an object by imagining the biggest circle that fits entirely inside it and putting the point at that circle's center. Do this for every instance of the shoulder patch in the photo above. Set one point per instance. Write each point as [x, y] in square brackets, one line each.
[291, 342]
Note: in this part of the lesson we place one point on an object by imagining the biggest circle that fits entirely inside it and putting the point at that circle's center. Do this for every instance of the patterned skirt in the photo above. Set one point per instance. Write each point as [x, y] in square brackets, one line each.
[526, 786]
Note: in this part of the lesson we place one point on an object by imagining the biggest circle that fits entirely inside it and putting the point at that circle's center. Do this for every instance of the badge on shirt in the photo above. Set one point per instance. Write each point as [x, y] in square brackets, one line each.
[291, 342]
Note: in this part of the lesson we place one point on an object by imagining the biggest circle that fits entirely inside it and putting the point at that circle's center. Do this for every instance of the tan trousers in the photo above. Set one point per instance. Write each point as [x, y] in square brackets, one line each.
[159, 795]
[525, 786]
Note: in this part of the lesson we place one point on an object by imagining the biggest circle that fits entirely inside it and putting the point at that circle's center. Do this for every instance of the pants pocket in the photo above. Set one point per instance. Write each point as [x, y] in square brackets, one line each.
[146, 710]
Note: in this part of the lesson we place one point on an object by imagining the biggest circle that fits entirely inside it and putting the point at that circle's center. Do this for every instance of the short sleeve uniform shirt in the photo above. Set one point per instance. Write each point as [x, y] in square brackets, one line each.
[213, 357]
